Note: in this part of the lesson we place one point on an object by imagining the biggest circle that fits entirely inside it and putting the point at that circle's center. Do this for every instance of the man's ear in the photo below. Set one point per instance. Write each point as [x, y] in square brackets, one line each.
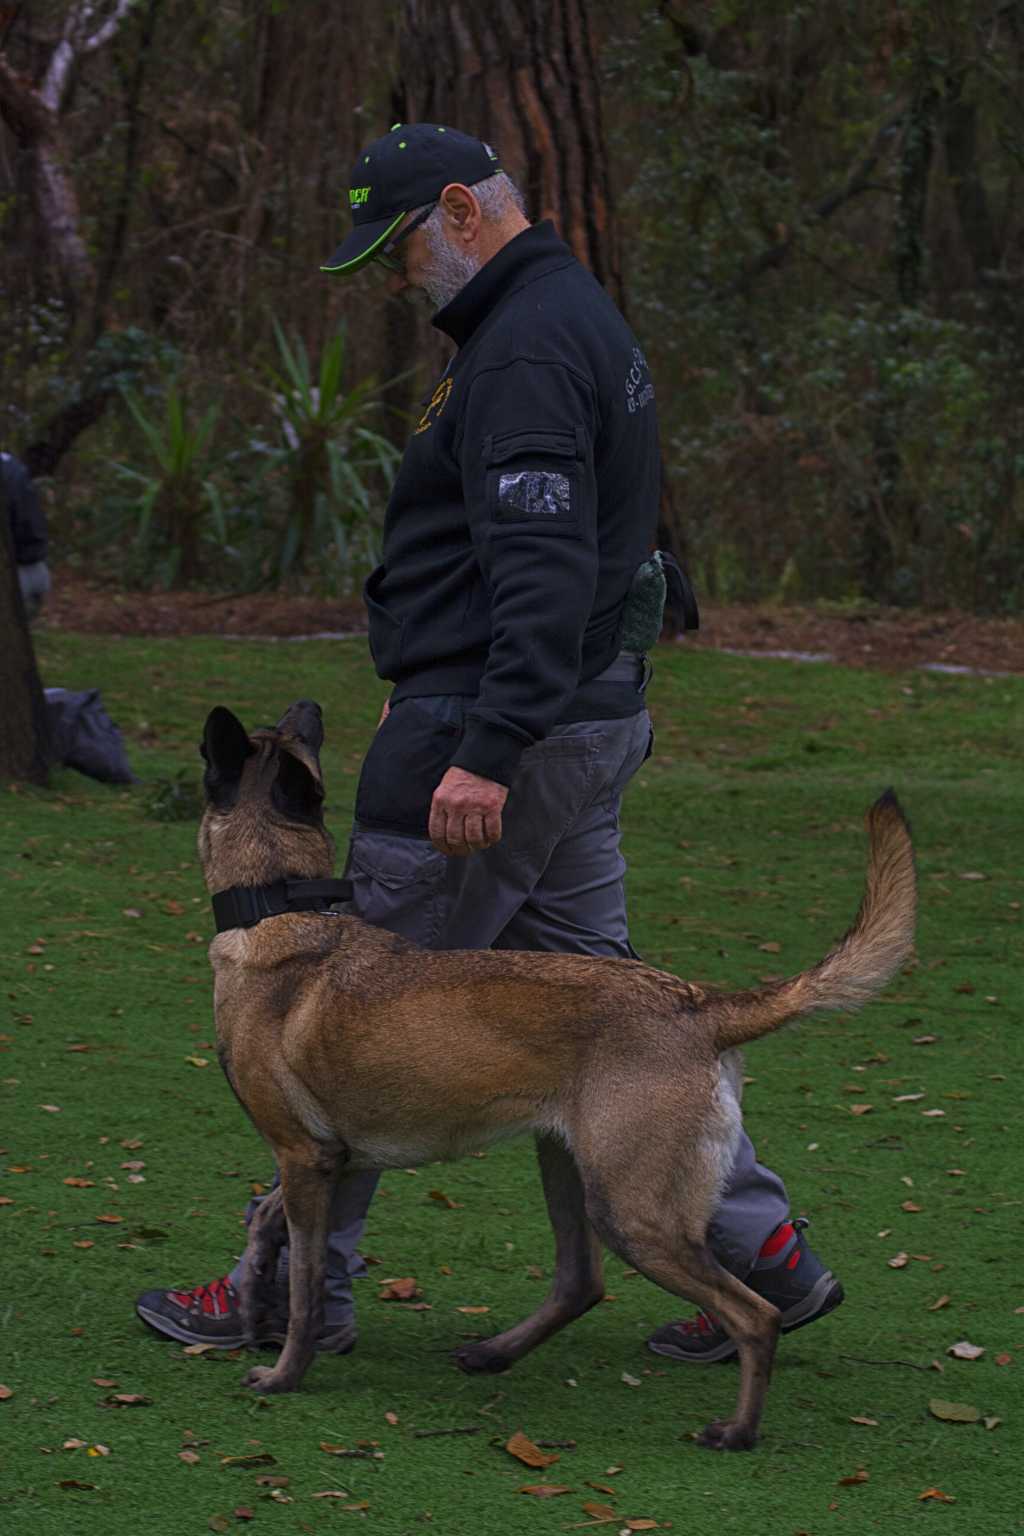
[296, 792]
[225, 747]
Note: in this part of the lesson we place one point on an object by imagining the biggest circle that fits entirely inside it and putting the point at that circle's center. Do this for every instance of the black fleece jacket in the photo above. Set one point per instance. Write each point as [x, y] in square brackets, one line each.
[525, 501]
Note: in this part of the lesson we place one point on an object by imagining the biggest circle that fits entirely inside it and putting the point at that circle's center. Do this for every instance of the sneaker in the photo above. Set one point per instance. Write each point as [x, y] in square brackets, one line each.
[210, 1314]
[790, 1276]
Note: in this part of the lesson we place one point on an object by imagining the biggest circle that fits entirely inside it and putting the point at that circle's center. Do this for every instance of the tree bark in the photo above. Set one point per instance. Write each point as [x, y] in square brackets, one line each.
[523, 77]
[24, 736]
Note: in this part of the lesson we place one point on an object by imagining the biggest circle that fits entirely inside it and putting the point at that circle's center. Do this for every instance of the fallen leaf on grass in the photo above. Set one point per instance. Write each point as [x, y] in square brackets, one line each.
[529, 1454]
[219, 1523]
[1004, 1359]
[5, 1393]
[391, 1418]
[472, 1311]
[937, 1493]
[83, 1242]
[910, 1206]
[545, 1490]
[907, 1098]
[6, 1200]
[953, 1413]
[255, 1459]
[942, 1301]
[198, 1349]
[73, 1482]
[965, 1351]
[440, 1198]
[771, 948]
[860, 1476]
[991, 1422]
[399, 1290]
[599, 1511]
[189, 1457]
[198, 1061]
[860, 1418]
[126, 1400]
[640, 1525]
[98, 1450]
[268, 1481]
[604, 1488]
[51, 1109]
[104, 1381]
[80, 1183]
[898, 1261]
[861, 1109]
[631, 1381]
[244, 1513]
[933, 1114]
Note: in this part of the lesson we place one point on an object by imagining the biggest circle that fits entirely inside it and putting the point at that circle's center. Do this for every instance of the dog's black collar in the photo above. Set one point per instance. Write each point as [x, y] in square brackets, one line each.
[245, 905]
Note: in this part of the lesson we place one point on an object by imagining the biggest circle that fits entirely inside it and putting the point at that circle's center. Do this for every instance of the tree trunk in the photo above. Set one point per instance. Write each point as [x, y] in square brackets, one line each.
[24, 737]
[515, 75]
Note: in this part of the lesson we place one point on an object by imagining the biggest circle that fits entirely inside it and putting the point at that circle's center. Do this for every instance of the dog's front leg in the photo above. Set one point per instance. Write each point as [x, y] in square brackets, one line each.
[577, 1283]
[267, 1233]
[307, 1187]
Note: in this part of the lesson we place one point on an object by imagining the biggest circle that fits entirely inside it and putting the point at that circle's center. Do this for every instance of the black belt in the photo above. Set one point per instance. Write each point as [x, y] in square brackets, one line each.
[628, 667]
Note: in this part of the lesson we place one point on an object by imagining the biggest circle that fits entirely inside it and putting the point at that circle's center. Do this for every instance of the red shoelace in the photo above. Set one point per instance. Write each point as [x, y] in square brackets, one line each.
[216, 1300]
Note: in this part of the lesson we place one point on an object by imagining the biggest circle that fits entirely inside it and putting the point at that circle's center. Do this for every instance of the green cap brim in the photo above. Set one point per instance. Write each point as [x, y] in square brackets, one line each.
[354, 252]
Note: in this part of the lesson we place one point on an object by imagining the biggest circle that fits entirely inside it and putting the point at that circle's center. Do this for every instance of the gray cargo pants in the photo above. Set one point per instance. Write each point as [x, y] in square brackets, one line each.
[554, 882]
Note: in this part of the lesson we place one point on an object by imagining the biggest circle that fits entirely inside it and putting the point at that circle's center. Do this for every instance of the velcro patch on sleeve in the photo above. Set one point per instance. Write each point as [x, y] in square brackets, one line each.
[542, 493]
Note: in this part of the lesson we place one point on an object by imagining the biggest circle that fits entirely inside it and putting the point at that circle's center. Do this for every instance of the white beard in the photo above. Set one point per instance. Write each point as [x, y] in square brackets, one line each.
[448, 271]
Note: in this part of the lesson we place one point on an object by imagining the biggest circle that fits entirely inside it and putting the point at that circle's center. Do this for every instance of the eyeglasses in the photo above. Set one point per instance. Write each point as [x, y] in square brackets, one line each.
[386, 257]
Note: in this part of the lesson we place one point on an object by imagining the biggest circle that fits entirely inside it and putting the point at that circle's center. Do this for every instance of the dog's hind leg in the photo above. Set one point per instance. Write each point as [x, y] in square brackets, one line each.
[690, 1269]
[577, 1284]
[307, 1185]
[268, 1232]
[653, 1212]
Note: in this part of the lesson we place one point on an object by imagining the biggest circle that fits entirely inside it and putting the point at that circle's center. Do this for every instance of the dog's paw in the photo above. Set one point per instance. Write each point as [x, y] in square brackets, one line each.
[727, 1435]
[477, 1358]
[261, 1379]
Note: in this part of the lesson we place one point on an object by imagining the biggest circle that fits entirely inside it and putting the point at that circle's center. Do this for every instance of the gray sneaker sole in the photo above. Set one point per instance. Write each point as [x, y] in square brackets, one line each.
[340, 1340]
[821, 1299]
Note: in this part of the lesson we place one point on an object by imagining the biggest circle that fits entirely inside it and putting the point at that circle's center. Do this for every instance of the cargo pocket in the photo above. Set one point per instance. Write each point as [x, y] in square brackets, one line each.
[407, 760]
[398, 883]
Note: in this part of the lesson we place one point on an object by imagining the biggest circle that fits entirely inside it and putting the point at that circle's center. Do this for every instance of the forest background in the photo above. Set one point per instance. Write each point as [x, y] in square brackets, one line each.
[811, 214]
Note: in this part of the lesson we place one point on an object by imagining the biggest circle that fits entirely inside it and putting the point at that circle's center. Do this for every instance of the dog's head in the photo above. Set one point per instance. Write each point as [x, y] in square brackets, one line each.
[264, 800]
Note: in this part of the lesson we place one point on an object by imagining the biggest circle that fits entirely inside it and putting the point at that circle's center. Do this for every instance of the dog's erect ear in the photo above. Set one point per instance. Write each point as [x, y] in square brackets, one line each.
[225, 747]
[304, 720]
[296, 792]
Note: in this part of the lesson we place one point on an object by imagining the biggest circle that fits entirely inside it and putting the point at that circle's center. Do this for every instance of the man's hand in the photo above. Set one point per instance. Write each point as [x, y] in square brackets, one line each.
[465, 813]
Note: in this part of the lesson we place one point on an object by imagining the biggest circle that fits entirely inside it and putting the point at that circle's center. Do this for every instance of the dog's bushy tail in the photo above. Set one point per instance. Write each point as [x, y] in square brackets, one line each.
[880, 940]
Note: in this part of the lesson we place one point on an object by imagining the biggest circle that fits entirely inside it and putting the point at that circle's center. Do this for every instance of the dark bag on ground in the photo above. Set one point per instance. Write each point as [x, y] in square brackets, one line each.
[83, 736]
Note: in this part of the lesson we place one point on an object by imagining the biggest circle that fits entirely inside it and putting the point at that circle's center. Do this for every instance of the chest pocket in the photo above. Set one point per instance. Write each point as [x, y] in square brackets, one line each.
[534, 480]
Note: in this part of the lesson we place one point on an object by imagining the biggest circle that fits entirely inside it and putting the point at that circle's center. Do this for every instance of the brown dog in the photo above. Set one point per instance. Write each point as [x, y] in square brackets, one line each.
[353, 1049]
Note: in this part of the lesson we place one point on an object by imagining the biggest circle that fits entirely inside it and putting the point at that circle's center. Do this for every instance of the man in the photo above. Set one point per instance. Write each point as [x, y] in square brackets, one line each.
[487, 808]
[27, 523]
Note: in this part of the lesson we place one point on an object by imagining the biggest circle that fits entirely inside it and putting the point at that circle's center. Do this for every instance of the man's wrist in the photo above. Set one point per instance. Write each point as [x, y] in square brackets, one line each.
[489, 753]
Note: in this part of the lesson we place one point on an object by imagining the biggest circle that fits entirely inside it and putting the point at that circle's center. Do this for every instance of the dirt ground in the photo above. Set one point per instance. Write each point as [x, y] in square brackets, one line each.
[888, 638]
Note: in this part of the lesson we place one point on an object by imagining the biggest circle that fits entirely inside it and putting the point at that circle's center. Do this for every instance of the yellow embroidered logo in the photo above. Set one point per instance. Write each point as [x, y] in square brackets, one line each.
[438, 401]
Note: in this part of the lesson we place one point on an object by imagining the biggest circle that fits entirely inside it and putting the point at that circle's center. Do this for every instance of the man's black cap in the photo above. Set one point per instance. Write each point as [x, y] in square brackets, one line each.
[408, 167]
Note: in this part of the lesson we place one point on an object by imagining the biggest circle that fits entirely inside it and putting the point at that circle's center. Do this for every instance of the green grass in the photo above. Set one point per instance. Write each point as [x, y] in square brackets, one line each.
[743, 830]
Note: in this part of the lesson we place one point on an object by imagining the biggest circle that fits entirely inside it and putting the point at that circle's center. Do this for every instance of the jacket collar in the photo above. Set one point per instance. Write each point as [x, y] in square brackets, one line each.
[527, 255]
